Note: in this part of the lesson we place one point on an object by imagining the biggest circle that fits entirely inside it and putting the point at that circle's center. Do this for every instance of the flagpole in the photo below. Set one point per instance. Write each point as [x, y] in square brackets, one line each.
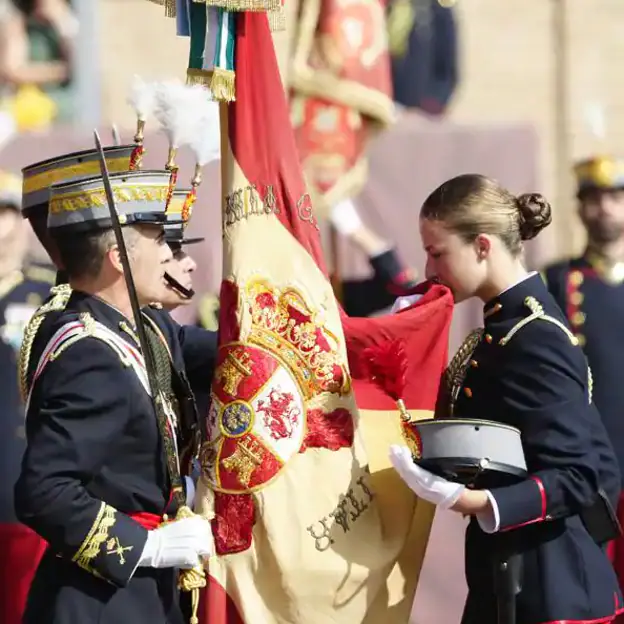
[565, 231]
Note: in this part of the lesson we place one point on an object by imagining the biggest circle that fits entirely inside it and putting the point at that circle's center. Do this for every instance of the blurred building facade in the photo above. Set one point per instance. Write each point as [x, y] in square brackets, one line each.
[509, 73]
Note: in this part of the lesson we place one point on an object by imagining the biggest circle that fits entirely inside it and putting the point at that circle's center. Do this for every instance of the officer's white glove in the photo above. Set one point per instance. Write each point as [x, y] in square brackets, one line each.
[404, 302]
[423, 483]
[178, 544]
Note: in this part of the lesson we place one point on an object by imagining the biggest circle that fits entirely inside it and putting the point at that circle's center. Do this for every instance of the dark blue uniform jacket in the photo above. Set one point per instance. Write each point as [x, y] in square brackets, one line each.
[94, 456]
[528, 372]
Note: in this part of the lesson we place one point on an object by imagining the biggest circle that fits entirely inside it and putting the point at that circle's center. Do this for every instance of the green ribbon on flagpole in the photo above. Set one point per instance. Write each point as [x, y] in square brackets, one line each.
[196, 74]
[222, 84]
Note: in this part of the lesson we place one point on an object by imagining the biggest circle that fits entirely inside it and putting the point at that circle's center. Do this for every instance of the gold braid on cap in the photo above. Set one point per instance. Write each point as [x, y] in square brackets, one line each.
[60, 297]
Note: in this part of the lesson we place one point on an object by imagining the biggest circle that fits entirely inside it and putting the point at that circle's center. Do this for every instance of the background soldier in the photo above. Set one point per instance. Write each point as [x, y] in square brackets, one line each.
[90, 484]
[178, 283]
[23, 286]
[590, 291]
[178, 276]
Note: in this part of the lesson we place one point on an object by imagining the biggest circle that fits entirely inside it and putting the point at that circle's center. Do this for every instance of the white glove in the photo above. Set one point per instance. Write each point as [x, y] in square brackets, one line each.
[178, 544]
[404, 302]
[344, 217]
[423, 483]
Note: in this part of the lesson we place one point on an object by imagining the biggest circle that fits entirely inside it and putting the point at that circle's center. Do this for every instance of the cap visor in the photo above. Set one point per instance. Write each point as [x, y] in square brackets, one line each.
[192, 241]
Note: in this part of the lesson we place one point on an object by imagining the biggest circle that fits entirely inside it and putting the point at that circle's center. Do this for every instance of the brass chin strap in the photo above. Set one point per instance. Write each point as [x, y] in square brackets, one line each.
[187, 293]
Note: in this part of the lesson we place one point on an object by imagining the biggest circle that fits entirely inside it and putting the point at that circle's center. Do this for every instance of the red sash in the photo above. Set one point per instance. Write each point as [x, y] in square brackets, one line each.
[149, 521]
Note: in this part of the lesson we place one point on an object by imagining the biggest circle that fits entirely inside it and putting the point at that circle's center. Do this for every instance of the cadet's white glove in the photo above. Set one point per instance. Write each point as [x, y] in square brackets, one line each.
[423, 483]
[178, 544]
[404, 302]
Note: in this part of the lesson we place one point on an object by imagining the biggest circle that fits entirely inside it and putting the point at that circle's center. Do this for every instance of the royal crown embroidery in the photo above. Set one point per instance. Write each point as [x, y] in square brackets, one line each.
[258, 415]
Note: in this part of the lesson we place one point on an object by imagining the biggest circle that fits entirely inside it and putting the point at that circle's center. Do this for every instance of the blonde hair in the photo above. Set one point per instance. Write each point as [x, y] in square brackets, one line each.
[473, 204]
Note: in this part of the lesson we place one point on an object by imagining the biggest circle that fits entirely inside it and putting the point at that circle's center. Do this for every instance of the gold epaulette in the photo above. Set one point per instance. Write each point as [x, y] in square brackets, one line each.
[60, 297]
[537, 313]
[91, 329]
[40, 274]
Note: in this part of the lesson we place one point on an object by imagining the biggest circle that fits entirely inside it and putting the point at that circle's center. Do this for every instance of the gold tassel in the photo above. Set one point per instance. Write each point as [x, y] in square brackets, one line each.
[243, 5]
[198, 77]
[191, 580]
[222, 85]
[277, 19]
[410, 435]
[170, 8]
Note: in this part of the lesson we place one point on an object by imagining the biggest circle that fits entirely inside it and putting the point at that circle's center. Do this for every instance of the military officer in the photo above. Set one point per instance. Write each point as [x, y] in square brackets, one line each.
[37, 180]
[178, 276]
[101, 474]
[524, 369]
[22, 555]
[23, 286]
[38, 177]
[590, 291]
[178, 283]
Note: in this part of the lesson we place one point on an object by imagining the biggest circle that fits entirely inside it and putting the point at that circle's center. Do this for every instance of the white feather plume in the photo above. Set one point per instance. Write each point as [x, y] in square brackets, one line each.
[142, 98]
[176, 106]
[206, 143]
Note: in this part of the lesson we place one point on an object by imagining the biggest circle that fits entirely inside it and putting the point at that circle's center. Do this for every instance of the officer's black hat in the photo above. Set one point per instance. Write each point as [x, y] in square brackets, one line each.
[82, 206]
[39, 177]
[599, 173]
[178, 215]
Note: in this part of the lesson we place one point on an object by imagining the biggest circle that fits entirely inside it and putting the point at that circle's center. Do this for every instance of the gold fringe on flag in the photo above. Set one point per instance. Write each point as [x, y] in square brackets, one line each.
[222, 85]
[170, 8]
[277, 19]
[198, 77]
[243, 5]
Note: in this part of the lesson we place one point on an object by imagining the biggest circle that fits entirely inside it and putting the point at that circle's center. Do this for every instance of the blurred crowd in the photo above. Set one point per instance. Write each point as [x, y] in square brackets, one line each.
[36, 51]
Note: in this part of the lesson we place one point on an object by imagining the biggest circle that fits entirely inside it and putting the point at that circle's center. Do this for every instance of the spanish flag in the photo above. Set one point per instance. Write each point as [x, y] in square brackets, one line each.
[310, 523]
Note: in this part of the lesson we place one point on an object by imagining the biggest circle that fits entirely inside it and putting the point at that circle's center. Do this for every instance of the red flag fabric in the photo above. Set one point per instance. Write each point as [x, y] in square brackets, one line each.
[20, 552]
[309, 524]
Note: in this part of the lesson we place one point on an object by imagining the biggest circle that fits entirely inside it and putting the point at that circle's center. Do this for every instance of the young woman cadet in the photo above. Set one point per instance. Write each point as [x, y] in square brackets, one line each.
[526, 370]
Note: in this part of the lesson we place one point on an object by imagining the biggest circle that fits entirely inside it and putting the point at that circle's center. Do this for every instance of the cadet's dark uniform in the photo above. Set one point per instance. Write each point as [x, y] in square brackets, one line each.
[526, 372]
[21, 292]
[594, 307]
